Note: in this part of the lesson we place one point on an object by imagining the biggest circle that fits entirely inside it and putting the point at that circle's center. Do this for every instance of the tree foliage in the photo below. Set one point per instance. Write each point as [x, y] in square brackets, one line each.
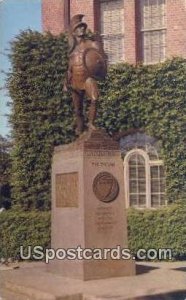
[148, 97]
[5, 146]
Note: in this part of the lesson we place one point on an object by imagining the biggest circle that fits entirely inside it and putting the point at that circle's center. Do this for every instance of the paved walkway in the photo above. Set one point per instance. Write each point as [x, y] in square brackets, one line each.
[154, 281]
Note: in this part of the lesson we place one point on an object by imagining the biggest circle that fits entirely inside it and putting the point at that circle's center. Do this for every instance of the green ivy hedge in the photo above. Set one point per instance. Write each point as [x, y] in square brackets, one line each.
[162, 228]
[148, 97]
[147, 229]
[41, 115]
[25, 229]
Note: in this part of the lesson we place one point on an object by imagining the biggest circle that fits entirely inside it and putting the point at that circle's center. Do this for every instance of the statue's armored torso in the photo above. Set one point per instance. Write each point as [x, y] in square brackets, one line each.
[87, 60]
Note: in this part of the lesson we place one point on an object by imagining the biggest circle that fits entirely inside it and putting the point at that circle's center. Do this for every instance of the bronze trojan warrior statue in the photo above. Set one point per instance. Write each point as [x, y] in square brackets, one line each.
[87, 63]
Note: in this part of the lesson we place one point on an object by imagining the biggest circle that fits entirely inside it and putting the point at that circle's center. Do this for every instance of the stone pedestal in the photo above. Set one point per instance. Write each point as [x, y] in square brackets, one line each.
[88, 206]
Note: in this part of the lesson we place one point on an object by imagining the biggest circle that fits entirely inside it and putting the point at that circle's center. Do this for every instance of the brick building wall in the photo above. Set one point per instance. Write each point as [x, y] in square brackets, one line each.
[176, 28]
[53, 20]
[53, 16]
[85, 7]
[130, 38]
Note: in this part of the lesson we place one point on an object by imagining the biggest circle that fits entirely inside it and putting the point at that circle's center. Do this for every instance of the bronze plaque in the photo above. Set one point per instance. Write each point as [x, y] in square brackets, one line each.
[105, 187]
[67, 190]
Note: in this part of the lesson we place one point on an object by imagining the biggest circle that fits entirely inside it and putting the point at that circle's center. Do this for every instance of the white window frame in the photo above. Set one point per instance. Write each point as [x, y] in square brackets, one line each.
[146, 30]
[120, 35]
[148, 164]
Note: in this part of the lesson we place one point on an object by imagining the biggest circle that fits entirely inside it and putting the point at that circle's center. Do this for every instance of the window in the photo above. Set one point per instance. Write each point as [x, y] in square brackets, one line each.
[112, 29]
[144, 180]
[153, 30]
[157, 178]
[137, 180]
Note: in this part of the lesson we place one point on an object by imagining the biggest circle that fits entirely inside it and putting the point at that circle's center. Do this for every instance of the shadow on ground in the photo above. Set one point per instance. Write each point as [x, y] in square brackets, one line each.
[177, 295]
[141, 269]
[183, 269]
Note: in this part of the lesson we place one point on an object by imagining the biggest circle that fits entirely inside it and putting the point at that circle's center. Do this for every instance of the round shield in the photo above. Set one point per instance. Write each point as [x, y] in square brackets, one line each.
[105, 187]
[95, 63]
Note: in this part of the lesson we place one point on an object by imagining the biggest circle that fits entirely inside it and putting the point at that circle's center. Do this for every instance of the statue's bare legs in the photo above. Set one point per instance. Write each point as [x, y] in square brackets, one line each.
[77, 97]
[91, 89]
[92, 92]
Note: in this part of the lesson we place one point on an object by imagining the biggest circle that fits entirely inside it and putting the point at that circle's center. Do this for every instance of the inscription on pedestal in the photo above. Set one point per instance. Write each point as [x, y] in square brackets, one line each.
[105, 219]
[99, 153]
[103, 164]
[67, 190]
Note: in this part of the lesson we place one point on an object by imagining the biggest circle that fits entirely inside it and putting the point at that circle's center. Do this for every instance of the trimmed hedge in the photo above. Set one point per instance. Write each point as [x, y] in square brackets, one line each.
[25, 229]
[41, 115]
[162, 228]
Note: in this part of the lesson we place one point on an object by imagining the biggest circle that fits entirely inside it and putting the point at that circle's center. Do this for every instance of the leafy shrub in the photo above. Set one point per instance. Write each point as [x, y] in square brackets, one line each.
[147, 229]
[41, 114]
[25, 229]
[162, 228]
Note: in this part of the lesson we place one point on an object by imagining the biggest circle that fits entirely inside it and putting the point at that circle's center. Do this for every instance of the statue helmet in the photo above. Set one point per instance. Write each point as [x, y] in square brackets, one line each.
[76, 21]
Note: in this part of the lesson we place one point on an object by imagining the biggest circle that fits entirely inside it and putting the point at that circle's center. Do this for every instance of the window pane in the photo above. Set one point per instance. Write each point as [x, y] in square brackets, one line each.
[153, 14]
[137, 180]
[114, 47]
[112, 29]
[133, 186]
[132, 172]
[153, 23]
[153, 46]
[137, 161]
[141, 172]
[154, 172]
[112, 16]
[158, 200]
[162, 185]
[155, 201]
[140, 160]
[142, 200]
[142, 186]
[162, 173]
[133, 160]
[133, 200]
[157, 186]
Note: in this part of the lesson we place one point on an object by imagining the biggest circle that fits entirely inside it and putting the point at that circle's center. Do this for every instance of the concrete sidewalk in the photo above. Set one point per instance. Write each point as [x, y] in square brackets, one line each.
[156, 281]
